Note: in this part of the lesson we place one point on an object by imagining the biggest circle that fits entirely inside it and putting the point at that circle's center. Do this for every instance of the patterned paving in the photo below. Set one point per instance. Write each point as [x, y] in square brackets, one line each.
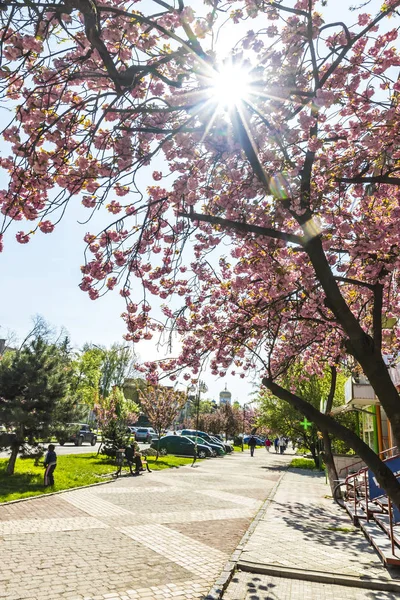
[301, 519]
[193, 555]
[167, 534]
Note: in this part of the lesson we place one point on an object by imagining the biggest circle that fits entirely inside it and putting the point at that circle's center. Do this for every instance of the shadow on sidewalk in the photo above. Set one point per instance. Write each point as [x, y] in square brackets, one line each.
[262, 588]
[321, 528]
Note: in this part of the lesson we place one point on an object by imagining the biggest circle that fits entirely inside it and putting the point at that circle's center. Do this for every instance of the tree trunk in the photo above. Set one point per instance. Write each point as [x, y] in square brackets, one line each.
[383, 474]
[11, 463]
[359, 344]
[314, 454]
[328, 459]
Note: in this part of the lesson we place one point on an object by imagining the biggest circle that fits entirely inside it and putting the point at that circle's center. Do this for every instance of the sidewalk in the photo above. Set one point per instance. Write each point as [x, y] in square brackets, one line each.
[164, 535]
[304, 546]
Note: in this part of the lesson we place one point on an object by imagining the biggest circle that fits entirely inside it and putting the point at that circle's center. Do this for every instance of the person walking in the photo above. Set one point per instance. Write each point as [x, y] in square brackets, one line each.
[252, 444]
[276, 444]
[50, 463]
[267, 444]
[282, 445]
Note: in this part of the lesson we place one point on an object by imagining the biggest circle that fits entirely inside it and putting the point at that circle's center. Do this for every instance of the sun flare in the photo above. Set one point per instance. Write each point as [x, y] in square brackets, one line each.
[229, 86]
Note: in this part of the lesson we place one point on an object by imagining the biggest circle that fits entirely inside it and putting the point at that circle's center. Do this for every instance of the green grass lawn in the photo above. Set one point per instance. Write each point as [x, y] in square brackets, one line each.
[73, 470]
[303, 463]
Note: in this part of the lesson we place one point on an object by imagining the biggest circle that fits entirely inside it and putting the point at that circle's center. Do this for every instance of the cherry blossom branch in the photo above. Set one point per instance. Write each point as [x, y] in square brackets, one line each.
[244, 227]
[373, 179]
[383, 474]
[370, 286]
[377, 316]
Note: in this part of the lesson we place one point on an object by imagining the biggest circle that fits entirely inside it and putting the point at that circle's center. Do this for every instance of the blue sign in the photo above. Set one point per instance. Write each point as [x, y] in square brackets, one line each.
[396, 514]
[375, 491]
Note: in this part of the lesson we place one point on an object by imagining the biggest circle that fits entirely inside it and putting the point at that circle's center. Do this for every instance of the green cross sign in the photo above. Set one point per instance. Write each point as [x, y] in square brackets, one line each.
[305, 424]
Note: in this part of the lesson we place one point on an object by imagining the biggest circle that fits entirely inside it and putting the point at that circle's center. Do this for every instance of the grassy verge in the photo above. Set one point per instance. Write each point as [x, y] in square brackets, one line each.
[303, 463]
[73, 470]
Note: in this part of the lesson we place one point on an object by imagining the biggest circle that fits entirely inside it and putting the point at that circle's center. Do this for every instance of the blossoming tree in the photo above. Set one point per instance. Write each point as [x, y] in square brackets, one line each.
[161, 406]
[282, 161]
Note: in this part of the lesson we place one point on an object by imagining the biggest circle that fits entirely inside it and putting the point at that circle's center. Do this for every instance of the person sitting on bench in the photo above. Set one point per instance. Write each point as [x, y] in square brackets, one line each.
[132, 456]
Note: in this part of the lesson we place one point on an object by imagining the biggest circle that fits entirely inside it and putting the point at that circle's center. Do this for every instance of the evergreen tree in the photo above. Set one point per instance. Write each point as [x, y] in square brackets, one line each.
[34, 384]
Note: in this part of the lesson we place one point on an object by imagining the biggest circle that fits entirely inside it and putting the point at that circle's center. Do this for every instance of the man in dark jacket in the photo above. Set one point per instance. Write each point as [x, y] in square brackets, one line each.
[252, 443]
[50, 463]
[132, 456]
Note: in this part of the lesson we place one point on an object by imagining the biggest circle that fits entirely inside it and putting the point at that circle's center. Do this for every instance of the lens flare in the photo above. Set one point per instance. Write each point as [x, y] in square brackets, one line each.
[230, 85]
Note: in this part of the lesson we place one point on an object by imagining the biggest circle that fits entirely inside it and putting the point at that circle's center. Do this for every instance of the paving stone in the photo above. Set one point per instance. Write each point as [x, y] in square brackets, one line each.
[225, 539]
[108, 542]
[248, 586]
[313, 532]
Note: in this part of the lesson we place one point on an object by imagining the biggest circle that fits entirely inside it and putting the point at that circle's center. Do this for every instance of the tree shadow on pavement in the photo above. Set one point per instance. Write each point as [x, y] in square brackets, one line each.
[262, 587]
[321, 528]
[336, 532]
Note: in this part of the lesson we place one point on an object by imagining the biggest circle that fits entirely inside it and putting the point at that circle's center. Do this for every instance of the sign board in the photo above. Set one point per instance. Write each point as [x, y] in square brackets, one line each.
[396, 514]
[374, 490]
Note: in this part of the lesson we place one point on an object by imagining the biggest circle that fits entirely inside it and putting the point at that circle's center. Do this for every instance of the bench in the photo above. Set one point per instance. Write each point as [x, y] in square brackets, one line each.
[121, 461]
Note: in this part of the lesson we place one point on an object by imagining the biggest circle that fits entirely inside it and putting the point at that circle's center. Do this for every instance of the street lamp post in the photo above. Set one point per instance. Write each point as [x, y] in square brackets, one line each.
[201, 388]
[244, 418]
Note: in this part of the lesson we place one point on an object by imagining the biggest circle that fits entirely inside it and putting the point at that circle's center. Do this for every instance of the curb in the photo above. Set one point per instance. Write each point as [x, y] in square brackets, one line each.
[318, 577]
[224, 579]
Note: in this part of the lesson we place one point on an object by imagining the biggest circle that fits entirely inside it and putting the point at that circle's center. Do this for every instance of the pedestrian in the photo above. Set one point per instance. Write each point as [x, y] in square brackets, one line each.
[267, 444]
[133, 456]
[50, 463]
[252, 444]
[276, 444]
[282, 445]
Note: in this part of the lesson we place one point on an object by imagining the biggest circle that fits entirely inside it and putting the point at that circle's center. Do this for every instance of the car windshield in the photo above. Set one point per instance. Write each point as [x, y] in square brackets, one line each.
[142, 430]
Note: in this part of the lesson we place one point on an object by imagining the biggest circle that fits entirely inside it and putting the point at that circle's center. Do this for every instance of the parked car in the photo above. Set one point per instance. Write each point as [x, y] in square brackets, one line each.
[145, 434]
[180, 445]
[130, 429]
[227, 447]
[208, 438]
[217, 449]
[259, 441]
[78, 433]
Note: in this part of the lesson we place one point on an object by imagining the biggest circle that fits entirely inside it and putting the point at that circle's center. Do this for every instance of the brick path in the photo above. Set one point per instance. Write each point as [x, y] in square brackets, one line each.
[163, 535]
[303, 529]
[248, 586]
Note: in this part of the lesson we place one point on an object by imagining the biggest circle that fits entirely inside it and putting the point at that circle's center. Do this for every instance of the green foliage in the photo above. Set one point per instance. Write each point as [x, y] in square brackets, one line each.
[303, 463]
[116, 366]
[34, 393]
[87, 375]
[283, 419]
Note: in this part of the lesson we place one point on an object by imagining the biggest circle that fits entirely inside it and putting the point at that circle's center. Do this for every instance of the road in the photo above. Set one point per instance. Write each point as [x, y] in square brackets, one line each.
[72, 449]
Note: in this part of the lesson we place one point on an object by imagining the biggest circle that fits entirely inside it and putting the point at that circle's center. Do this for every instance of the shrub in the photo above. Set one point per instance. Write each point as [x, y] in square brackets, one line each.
[303, 463]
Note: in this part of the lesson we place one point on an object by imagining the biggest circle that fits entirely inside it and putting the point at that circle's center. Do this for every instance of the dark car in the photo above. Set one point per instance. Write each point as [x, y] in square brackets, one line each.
[210, 439]
[181, 446]
[216, 449]
[78, 433]
[227, 447]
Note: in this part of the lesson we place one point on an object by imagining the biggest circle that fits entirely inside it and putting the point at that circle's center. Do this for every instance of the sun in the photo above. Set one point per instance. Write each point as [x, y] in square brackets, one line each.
[229, 86]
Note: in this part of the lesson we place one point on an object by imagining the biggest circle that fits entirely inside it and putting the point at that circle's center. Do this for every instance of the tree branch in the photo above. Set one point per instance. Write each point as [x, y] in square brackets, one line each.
[375, 179]
[355, 282]
[244, 227]
[377, 316]
[383, 474]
